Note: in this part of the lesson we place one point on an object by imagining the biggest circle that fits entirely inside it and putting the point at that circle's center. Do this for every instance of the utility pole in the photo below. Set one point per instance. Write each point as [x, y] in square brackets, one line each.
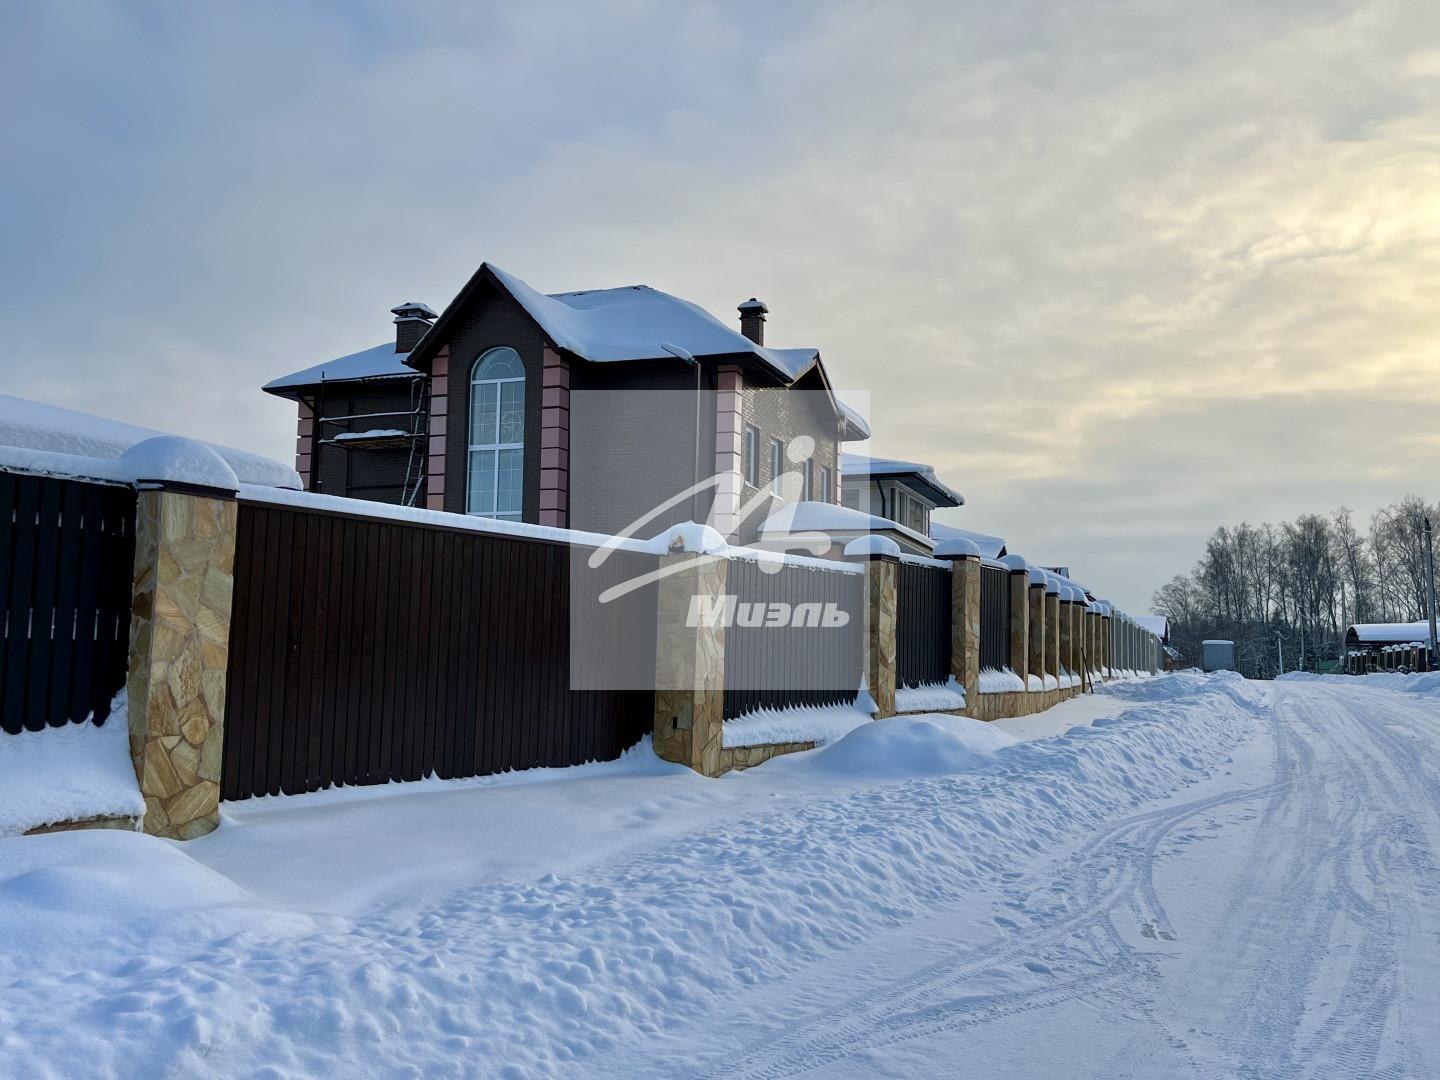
[1430, 559]
[1280, 648]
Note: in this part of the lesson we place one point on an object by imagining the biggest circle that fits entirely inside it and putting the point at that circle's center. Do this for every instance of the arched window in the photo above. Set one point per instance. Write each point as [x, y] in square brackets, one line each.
[496, 483]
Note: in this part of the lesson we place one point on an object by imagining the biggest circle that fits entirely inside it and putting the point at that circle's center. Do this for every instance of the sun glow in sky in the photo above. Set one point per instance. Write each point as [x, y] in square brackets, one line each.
[1120, 271]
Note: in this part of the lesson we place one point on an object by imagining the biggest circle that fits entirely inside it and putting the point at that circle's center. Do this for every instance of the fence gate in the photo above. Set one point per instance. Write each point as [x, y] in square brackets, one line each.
[67, 557]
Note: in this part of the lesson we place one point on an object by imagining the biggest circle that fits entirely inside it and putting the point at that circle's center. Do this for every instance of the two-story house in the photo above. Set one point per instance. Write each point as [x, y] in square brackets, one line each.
[584, 409]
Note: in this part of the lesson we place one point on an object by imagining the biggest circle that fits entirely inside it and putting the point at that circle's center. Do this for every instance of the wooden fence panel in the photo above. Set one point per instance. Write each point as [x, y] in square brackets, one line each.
[365, 650]
[922, 624]
[784, 666]
[994, 618]
[67, 557]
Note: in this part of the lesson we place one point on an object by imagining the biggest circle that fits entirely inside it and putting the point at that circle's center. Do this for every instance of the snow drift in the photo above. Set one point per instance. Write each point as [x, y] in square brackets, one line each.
[547, 974]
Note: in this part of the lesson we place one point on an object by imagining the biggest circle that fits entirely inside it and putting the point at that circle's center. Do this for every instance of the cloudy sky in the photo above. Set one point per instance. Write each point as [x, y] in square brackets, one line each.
[1121, 271]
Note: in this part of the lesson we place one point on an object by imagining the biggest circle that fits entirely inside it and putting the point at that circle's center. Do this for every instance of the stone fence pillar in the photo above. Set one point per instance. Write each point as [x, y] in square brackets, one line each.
[179, 650]
[1067, 632]
[690, 661]
[1020, 622]
[1039, 629]
[1052, 633]
[881, 558]
[964, 559]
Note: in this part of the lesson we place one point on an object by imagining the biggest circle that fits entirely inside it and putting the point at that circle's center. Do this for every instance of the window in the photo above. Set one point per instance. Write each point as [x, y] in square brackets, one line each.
[826, 494]
[913, 516]
[496, 483]
[750, 459]
[777, 464]
[807, 476]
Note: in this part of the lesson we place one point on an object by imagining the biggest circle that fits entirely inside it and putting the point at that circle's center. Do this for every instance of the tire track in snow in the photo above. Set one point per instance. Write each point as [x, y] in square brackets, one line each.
[906, 1009]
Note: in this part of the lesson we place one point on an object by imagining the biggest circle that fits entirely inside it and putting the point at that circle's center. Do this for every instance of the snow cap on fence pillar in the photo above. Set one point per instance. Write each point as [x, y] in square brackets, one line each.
[1016, 564]
[872, 544]
[169, 459]
[1038, 577]
[688, 537]
[959, 548]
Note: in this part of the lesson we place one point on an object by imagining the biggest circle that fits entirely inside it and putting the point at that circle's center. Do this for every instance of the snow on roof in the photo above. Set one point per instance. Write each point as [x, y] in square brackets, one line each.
[861, 465]
[1374, 633]
[377, 362]
[991, 547]
[61, 435]
[858, 422]
[823, 517]
[635, 322]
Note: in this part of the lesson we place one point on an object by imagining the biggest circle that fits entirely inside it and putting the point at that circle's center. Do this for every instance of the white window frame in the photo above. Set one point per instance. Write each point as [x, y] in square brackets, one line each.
[777, 464]
[827, 484]
[472, 447]
[750, 456]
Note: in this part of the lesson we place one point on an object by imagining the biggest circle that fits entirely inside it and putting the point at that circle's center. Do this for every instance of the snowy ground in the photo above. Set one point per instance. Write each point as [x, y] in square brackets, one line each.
[1210, 883]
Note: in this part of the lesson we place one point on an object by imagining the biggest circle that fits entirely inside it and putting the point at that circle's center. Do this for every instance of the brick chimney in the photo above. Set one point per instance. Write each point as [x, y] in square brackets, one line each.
[752, 320]
[412, 320]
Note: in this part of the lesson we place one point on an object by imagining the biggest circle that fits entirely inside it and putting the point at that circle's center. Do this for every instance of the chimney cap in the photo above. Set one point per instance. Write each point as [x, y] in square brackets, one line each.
[413, 309]
[753, 307]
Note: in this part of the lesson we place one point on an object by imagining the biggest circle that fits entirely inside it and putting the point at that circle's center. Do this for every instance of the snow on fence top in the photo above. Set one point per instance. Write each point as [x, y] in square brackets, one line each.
[921, 560]
[48, 439]
[685, 537]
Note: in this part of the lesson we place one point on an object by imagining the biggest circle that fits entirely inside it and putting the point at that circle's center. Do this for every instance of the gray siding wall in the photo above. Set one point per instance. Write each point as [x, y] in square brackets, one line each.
[632, 443]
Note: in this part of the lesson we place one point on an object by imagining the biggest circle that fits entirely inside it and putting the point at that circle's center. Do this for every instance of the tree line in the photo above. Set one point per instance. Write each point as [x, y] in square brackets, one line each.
[1299, 585]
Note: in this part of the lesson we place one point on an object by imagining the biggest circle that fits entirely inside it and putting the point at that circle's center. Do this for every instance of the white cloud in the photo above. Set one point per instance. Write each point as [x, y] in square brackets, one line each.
[1123, 270]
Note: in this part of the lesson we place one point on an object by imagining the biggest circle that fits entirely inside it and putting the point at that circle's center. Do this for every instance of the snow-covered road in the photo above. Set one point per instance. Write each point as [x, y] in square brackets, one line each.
[1280, 920]
[1227, 879]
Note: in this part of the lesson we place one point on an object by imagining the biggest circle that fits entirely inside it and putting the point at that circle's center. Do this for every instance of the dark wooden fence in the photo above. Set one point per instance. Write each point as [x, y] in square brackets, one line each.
[922, 624]
[994, 618]
[364, 650]
[67, 556]
[784, 666]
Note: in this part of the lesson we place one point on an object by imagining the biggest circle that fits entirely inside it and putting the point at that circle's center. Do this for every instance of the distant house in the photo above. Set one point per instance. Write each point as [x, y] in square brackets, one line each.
[991, 547]
[881, 496]
[902, 491]
[823, 530]
[1376, 637]
[515, 404]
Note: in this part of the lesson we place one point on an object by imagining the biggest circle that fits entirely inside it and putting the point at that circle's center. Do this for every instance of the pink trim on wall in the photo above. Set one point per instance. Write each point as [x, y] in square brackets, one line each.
[304, 443]
[729, 423]
[439, 413]
[554, 439]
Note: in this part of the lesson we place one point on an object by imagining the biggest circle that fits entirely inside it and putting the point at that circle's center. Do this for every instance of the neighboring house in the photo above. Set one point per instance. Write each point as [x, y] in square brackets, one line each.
[1375, 637]
[908, 488]
[991, 547]
[823, 530]
[547, 409]
[903, 491]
